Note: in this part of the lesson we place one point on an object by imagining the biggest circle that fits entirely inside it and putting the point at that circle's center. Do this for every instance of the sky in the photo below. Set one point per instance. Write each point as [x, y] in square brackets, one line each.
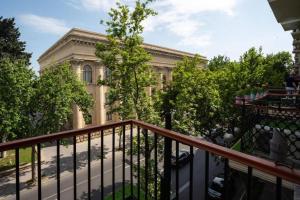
[206, 27]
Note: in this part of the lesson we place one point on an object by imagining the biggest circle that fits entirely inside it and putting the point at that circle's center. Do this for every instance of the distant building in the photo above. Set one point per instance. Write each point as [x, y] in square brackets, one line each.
[287, 13]
[78, 47]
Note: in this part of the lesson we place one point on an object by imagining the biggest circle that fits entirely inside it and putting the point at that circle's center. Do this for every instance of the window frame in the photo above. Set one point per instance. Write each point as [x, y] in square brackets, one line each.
[86, 71]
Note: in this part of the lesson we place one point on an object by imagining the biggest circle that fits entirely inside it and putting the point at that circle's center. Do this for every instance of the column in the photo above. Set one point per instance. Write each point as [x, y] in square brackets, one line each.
[78, 121]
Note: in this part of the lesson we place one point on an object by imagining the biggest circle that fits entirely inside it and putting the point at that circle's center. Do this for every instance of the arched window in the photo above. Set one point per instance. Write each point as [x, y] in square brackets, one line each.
[87, 74]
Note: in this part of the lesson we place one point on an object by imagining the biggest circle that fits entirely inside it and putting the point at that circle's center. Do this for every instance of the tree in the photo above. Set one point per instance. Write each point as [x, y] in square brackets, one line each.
[56, 91]
[193, 98]
[10, 44]
[218, 62]
[128, 61]
[16, 80]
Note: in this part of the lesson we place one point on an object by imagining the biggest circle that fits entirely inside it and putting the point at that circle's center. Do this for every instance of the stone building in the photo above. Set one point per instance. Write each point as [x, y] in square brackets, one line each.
[78, 47]
[287, 13]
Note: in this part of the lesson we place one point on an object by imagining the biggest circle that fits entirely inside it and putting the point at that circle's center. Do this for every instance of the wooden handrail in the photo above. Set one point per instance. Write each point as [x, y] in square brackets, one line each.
[266, 166]
[60, 135]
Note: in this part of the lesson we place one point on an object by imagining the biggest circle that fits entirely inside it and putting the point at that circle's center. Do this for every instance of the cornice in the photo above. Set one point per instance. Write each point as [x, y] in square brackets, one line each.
[83, 37]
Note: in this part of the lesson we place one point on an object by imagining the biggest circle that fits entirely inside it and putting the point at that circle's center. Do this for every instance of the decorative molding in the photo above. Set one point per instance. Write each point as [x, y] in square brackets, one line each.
[87, 38]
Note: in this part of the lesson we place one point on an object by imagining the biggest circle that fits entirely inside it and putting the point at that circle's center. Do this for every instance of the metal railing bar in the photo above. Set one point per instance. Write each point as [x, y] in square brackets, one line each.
[226, 177]
[155, 165]
[177, 170]
[74, 168]
[206, 175]
[17, 162]
[131, 160]
[147, 157]
[39, 171]
[249, 183]
[113, 165]
[278, 188]
[138, 163]
[191, 173]
[89, 165]
[58, 168]
[123, 162]
[102, 164]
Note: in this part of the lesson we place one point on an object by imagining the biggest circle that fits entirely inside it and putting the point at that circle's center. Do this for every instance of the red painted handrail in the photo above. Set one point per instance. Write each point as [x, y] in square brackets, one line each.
[263, 165]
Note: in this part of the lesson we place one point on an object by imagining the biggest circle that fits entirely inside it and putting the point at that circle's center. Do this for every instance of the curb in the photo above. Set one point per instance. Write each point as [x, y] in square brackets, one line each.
[12, 170]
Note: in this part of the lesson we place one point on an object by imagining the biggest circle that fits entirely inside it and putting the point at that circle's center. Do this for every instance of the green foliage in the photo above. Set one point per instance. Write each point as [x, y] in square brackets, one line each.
[119, 193]
[10, 45]
[16, 80]
[200, 98]
[218, 62]
[56, 92]
[193, 97]
[128, 61]
[9, 161]
[253, 71]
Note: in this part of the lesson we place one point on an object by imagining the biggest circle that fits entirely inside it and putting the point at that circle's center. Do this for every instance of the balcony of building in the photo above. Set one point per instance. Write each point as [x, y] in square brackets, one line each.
[150, 163]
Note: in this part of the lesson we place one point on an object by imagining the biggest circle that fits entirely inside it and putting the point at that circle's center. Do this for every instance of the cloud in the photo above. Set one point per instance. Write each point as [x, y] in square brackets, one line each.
[44, 24]
[92, 5]
[180, 18]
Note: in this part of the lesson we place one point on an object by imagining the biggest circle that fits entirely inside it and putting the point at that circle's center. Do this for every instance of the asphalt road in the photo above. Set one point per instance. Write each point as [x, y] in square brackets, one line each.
[215, 167]
[49, 184]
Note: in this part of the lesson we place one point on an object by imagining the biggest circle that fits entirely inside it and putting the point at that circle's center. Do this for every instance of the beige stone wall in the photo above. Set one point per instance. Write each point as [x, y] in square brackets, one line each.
[78, 48]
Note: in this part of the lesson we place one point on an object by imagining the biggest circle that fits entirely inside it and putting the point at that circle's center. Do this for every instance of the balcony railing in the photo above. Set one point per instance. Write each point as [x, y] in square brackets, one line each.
[146, 143]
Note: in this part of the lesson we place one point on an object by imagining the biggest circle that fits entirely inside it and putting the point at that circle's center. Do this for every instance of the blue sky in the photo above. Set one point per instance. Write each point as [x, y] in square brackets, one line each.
[208, 27]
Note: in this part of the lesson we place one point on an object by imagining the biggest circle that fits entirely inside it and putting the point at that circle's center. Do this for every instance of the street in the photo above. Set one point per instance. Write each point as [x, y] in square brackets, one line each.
[49, 183]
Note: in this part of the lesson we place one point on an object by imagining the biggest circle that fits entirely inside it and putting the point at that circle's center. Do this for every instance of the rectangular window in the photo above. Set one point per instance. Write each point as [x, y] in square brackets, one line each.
[108, 116]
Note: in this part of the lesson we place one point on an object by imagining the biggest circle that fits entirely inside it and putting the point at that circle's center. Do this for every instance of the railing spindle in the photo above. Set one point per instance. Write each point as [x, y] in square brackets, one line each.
[123, 165]
[147, 157]
[155, 164]
[17, 162]
[58, 168]
[39, 171]
[89, 165]
[102, 164]
[226, 175]
[138, 162]
[177, 170]
[131, 161]
[206, 175]
[166, 180]
[113, 165]
[74, 168]
[191, 172]
[278, 188]
[249, 183]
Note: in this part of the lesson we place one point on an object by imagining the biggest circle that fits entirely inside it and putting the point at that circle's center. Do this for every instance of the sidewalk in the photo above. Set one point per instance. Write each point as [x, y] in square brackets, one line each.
[7, 183]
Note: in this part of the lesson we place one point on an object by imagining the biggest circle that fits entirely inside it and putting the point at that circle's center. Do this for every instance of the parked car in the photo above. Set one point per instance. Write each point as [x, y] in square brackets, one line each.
[184, 157]
[216, 188]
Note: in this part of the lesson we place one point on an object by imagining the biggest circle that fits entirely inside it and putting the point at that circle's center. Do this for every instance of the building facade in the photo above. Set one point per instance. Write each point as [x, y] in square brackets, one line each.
[78, 48]
[287, 13]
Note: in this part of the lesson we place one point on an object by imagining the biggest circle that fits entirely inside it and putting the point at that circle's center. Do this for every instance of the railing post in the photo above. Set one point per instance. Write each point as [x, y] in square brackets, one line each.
[166, 179]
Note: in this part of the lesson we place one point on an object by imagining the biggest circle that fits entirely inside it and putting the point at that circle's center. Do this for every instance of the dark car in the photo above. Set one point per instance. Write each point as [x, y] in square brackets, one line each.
[184, 157]
[216, 188]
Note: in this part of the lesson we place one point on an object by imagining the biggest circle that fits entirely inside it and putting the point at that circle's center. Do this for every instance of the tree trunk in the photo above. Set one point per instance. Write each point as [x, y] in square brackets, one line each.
[33, 174]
